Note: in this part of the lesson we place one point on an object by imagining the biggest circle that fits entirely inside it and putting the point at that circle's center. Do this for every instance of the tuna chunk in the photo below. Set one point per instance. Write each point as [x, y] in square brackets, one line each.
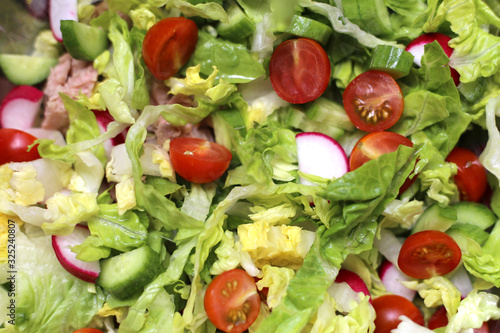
[166, 131]
[70, 77]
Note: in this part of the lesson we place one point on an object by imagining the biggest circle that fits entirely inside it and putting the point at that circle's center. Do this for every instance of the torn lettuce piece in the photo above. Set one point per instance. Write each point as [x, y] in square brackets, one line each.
[50, 303]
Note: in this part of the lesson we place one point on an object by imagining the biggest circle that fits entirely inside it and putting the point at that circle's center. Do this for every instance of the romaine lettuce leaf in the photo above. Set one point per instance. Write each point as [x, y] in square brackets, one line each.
[234, 62]
[46, 295]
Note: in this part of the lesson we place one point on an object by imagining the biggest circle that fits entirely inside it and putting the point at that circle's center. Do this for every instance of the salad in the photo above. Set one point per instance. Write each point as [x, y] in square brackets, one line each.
[260, 166]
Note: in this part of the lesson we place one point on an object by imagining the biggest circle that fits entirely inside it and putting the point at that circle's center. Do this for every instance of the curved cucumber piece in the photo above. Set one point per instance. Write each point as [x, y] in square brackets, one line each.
[305, 27]
[436, 217]
[461, 232]
[82, 41]
[393, 60]
[239, 26]
[126, 274]
[25, 69]
[474, 213]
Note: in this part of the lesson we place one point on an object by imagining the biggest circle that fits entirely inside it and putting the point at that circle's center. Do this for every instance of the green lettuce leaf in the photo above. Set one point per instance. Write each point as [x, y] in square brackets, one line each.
[120, 232]
[490, 157]
[476, 51]
[234, 62]
[434, 106]
[484, 262]
[50, 304]
[358, 198]
[341, 25]
[473, 311]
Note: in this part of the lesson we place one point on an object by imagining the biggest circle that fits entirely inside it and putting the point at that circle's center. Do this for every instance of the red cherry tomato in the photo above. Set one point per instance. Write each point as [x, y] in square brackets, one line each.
[429, 253]
[471, 175]
[372, 145]
[168, 45]
[440, 319]
[198, 160]
[88, 330]
[15, 144]
[389, 308]
[373, 101]
[232, 301]
[299, 70]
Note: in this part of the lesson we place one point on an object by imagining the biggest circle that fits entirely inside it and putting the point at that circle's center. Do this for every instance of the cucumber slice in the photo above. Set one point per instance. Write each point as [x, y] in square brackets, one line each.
[393, 60]
[461, 232]
[474, 213]
[305, 27]
[26, 70]
[126, 274]
[82, 41]
[436, 217]
[239, 26]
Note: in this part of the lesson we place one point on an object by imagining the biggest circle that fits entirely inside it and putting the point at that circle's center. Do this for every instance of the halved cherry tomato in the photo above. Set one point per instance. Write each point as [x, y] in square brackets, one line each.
[88, 330]
[232, 301]
[168, 45]
[198, 160]
[471, 174]
[372, 145]
[429, 253]
[299, 70]
[373, 101]
[389, 308]
[440, 319]
[15, 144]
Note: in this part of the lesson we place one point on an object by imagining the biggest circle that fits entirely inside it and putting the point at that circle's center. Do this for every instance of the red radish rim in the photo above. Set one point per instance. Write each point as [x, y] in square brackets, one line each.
[86, 271]
[20, 94]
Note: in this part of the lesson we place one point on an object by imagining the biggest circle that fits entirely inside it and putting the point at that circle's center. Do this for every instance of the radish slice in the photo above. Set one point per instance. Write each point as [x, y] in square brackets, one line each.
[104, 118]
[86, 271]
[391, 278]
[20, 108]
[61, 10]
[416, 48]
[353, 280]
[320, 155]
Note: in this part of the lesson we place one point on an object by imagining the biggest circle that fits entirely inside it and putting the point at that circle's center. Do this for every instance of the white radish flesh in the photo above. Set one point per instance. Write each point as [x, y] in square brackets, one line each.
[392, 277]
[61, 10]
[20, 108]
[86, 271]
[320, 155]
[353, 280]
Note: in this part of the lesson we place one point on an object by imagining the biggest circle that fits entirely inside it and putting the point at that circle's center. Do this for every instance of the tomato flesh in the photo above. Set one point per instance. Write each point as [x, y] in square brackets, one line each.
[429, 253]
[15, 145]
[389, 308]
[168, 45]
[471, 177]
[373, 101]
[88, 330]
[198, 160]
[232, 301]
[375, 144]
[299, 70]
